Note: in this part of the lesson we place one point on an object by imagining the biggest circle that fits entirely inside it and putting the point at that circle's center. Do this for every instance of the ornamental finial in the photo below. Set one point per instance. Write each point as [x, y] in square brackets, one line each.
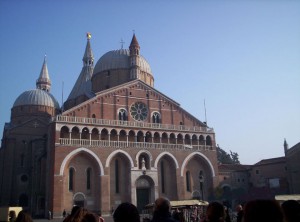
[88, 35]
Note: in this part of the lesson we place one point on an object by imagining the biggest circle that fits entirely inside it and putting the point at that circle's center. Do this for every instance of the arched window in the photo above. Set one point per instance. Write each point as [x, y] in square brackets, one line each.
[162, 171]
[64, 132]
[117, 176]
[187, 139]
[194, 140]
[95, 134]
[88, 178]
[104, 134]
[156, 137]
[140, 136]
[85, 134]
[155, 117]
[122, 115]
[75, 133]
[71, 179]
[122, 136]
[179, 139]
[113, 135]
[208, 141]
[148, 137]
[188, 180]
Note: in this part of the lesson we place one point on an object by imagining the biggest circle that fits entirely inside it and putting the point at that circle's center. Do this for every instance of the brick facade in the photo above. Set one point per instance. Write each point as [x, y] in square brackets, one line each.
[124, 141]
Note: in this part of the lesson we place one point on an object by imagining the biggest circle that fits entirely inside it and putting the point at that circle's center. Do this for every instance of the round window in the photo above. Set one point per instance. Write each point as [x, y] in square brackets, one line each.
[139, 111]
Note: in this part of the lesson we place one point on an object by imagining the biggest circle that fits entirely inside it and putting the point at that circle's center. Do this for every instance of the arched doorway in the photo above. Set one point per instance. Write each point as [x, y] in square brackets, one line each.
[79, 199]
[144, 192]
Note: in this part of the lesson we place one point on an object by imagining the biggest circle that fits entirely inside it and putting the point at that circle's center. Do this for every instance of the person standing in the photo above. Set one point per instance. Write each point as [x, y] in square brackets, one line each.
[101, 219]
[64, 213]
[162, 209]
[126, 212]
[23, 217]
[240, 213]
[215, 212]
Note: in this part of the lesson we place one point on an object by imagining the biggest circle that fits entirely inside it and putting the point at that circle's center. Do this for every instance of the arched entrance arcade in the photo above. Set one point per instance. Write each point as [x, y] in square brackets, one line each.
[81, 171]
[198, 174]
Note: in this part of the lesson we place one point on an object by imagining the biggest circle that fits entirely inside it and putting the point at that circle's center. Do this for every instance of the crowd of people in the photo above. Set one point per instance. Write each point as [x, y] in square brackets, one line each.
[256, 211]
[252, 211]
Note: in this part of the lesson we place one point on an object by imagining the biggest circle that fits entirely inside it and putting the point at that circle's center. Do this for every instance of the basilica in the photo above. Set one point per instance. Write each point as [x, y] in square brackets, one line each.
[114, 139]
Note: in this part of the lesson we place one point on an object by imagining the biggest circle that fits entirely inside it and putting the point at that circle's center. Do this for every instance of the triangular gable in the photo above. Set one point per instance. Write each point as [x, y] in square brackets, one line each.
[135, 83]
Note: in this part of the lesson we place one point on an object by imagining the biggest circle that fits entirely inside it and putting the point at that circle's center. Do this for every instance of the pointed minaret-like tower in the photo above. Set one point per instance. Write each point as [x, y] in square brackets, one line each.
[82, 89]
[286, 146]
[134, 49]
[88, 58]
[44, 82]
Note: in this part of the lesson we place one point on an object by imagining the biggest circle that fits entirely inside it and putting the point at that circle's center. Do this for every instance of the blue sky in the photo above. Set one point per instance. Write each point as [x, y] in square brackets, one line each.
[242, 57]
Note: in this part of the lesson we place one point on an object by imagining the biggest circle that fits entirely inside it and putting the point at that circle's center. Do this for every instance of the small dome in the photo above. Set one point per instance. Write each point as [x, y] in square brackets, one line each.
[119, 59]
[36, 97]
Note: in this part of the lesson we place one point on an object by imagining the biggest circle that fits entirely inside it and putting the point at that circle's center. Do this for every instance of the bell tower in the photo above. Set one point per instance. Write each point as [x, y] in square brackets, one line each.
[134, 49]
[44, 82]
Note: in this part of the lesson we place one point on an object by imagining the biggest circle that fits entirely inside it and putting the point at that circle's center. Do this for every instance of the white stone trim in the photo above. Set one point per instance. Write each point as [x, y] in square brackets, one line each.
[200, 154]
[79, 193]
[74, 152]
[114, 153]
[165, 153]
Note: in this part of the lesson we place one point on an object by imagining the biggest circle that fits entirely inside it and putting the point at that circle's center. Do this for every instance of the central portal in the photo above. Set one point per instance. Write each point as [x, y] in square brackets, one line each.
[144, 192]
[143, 198]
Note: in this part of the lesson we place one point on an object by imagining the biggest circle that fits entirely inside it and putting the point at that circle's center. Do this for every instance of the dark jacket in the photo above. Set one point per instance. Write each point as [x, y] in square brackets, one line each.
[162, 217]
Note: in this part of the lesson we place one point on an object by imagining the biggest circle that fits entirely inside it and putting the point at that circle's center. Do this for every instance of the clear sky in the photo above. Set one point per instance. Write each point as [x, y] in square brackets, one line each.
[242, 57]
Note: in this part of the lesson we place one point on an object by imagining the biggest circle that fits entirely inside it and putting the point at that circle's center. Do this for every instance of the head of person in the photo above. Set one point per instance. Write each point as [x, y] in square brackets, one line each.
[23, 216]
[79, 214]
[89, 217]
[239, 208]
[291, 210]
[126, 212]
[74, 209]
[12, 214]
[262, 211]
[162, 205]
[215, 212]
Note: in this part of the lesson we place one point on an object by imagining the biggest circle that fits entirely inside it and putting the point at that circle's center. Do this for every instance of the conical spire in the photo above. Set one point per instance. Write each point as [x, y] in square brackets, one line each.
[83, 86]
[88, 58]
[285, 145]
[134, 49]
[44, 82]
[134, 46]
[134, 42]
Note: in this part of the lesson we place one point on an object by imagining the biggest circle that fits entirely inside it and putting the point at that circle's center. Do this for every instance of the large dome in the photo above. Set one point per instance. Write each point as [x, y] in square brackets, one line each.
[36, 97]
[119, 59]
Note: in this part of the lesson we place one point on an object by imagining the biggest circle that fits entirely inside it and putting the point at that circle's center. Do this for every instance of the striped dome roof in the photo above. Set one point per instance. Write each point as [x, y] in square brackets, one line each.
[36, 97]
[119, 59]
